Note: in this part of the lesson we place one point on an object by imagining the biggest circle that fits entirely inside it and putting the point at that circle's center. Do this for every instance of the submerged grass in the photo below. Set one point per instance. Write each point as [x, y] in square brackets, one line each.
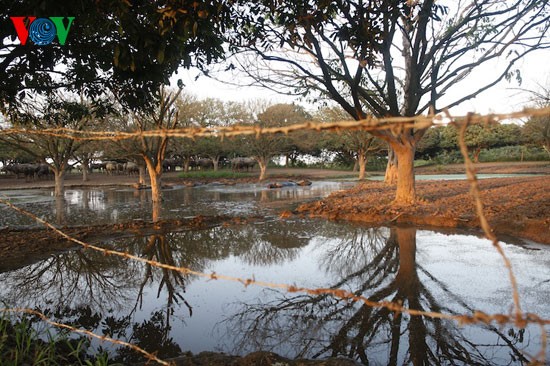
[22, 344]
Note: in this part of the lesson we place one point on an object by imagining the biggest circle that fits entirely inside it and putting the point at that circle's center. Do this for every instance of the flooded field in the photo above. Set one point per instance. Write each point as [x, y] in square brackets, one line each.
[169, 312]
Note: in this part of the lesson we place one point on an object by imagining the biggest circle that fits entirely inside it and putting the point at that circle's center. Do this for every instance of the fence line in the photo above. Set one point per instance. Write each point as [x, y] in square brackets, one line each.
[476, 195]
[368, 124]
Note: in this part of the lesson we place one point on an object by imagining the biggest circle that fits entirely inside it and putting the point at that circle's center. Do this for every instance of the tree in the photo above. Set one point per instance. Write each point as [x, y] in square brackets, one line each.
[537, 132]
[216, 113]
[479, 137]
[153, 149]
[55, 112]
[359, 143]
[264, 147]
[382, 267]
[428, 146]
[387, 58]
[130, 48]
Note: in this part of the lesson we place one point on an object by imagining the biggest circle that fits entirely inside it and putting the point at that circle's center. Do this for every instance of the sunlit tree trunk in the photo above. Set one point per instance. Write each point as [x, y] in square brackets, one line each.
[355, 166]
[155, 177]
[157, 207]
[262, 163]
[405, 193]
[391, 169]
[142, 169]
[362, 162]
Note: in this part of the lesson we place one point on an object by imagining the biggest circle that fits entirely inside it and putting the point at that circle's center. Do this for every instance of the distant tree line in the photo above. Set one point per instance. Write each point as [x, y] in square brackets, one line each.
[500, 142]
[155, 155]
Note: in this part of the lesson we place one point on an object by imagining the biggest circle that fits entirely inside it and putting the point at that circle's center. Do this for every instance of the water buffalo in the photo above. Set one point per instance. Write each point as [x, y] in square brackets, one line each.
[131, 168]
[204, 163]
[43, 171]
[240, 164]
[21, 170]
[111, 167]
[170, 164]
[100, 167]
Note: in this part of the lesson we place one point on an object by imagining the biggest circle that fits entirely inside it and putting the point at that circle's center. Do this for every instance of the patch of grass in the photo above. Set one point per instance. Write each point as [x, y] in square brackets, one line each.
[22, 344]
[220, 174]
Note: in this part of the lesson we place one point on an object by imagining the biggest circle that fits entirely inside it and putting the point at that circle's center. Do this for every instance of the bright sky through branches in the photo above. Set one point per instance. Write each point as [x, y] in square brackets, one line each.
[505, 97]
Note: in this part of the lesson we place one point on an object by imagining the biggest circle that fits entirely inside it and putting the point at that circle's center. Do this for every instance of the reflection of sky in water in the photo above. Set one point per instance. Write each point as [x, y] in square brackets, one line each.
[109, 205]
[461, 273]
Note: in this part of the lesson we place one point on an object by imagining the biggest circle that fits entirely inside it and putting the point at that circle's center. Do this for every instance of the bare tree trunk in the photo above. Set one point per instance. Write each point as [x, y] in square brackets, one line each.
[477, 151]
[59, 176]
[406, 193]
[142, 172]
[85, 169]
[186, 162]
[85, 173]
[391, 169]
[156, 185]
[155, 177]
[362, 162]
[263, 168]
[157, 207]
[60, 210]
[215, 162]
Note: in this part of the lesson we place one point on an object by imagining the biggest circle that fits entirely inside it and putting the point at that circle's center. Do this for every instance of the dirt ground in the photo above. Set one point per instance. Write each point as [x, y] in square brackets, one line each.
[518, 207]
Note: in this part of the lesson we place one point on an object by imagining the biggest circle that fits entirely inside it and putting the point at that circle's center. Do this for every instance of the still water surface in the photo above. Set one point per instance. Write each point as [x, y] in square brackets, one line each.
[168, 312]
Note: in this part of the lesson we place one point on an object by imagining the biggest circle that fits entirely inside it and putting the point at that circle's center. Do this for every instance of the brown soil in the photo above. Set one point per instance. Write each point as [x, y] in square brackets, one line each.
[518, 207]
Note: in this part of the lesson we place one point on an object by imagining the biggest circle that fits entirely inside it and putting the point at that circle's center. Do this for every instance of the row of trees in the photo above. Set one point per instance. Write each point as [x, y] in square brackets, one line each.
[178, 109]
[534, 133]
[380, 58]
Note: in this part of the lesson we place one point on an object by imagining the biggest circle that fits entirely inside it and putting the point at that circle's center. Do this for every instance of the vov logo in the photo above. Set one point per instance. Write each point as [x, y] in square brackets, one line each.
[42, 31]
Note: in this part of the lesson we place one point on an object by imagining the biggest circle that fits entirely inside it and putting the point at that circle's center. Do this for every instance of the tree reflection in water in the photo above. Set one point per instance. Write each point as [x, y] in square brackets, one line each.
[381, 267]
[103, 294]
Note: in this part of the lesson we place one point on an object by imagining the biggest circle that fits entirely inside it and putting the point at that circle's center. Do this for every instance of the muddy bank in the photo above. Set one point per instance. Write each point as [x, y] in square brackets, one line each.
[252, 359]
[518, 207]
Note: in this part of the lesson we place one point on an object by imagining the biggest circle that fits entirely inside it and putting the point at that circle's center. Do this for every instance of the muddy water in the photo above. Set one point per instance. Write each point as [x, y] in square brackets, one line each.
[115, 204]
[170, 313]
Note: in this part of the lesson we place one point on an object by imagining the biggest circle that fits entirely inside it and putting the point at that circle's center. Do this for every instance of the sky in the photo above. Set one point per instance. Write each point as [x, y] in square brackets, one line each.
[503, 98]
